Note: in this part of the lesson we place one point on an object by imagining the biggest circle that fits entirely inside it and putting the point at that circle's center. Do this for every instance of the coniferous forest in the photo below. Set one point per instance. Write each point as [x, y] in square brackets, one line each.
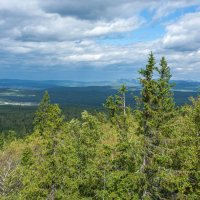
[149, 152]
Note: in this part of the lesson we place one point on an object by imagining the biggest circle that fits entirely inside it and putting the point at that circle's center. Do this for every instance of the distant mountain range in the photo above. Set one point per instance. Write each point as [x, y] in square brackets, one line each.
[180, 85]
[27, 84]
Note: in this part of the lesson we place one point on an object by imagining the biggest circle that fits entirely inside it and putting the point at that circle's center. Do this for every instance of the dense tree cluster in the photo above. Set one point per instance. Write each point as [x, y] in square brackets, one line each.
[151, 152]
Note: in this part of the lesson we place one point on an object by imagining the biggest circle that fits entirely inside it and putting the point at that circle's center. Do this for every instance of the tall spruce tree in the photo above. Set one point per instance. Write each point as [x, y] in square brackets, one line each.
[148, 107]
[157, 107]
[148, 95]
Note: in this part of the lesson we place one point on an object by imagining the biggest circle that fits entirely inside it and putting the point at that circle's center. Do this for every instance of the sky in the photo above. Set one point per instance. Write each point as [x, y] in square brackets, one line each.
[97, 40]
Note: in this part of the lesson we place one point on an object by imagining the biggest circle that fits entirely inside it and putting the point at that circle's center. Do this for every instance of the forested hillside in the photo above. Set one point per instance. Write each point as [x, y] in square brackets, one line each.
[147, 152]
[18, 106]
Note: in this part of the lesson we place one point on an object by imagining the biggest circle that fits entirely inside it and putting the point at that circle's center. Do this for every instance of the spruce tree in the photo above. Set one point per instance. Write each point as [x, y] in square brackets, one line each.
[118, 111]
[148, 106]
[41, 115]
[164, 96]
[157, 108]
[111, 106]
[48, 171]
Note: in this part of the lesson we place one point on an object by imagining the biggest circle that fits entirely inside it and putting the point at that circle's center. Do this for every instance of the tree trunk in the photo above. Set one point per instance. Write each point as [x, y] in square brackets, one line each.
[124, 102]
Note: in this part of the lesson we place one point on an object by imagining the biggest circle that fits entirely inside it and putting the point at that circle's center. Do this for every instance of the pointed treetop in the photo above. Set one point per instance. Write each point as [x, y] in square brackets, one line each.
[148, 71]
[164, 70]
[123, 89]
[45, 102]
[46, 97]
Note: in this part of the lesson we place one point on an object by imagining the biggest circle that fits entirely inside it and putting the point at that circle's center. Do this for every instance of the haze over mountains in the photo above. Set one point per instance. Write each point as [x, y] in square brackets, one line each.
[181, 85]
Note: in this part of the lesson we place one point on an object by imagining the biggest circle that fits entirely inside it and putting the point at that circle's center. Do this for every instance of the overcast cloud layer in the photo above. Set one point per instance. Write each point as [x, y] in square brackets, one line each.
[97, 39]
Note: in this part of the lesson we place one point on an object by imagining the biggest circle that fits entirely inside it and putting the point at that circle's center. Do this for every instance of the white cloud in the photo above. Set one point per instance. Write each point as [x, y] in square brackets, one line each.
[184, 34]
[164, 7]
[84, 57]
[116, 26]
[37, 20]
[64, 33]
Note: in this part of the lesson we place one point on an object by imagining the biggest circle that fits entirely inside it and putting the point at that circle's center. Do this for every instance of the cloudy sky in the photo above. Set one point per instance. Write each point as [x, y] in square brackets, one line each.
[97, 39]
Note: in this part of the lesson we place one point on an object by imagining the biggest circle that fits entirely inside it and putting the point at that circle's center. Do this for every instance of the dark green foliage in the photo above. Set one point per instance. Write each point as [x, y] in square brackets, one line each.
[165, 99]
[17, 118]
[20, 118]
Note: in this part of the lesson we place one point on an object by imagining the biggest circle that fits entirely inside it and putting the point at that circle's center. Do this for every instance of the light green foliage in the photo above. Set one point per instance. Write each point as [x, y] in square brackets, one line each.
[10, 178]
[111, 106]
[118, 111]
[7, 138]
[87, 136]
[44, 115]
[48, 165]
[116, 105]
